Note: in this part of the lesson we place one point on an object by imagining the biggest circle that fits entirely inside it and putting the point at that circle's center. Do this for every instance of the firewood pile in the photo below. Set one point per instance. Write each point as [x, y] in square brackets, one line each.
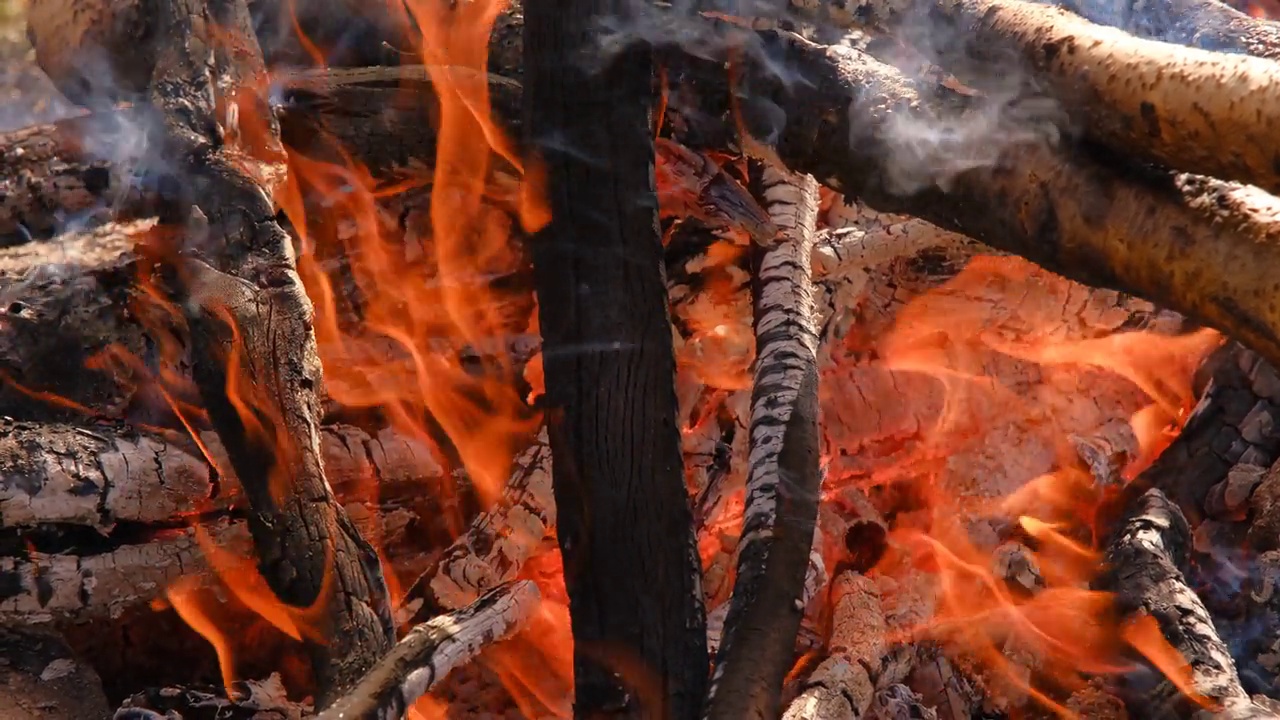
[970, 408]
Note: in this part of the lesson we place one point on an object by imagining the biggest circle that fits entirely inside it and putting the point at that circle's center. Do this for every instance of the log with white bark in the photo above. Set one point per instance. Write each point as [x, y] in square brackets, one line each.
[433, 649]
[783, 478]
[1188, 109]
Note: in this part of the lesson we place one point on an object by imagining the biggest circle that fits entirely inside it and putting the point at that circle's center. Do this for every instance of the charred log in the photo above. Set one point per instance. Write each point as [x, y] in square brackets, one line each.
[42, 678]
[624, 525]
[1144, 569]
[253, 345]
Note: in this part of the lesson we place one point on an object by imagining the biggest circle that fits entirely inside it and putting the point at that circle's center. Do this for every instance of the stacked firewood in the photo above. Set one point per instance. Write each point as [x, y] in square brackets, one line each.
[797, 301]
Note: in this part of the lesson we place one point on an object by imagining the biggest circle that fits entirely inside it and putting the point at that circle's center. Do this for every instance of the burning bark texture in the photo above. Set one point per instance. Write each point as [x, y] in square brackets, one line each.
[751, 283]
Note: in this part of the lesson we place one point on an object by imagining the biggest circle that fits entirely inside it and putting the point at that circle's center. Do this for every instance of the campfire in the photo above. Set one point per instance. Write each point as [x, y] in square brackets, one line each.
[816, 361]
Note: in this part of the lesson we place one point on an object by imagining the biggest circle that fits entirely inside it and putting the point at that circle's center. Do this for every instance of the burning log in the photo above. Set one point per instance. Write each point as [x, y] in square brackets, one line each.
[1133, 95]
[1232, 426]
[624, 526]
[253, 345]
[496, 546]
[783, 480]
[1096, 209]
[430, 651]
[1067, 211]
[128, 502]
[1145, 560]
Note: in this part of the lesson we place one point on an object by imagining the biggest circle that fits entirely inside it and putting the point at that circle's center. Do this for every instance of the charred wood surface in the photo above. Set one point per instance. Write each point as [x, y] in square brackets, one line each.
[253, 344]
[41, 678]
[1145, 561]
[625, 528]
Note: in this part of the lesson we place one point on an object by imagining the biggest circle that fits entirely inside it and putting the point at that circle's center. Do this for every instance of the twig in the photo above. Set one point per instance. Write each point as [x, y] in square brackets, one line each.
[431, 650]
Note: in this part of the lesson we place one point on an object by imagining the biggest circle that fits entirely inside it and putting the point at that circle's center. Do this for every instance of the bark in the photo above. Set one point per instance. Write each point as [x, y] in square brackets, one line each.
[497, 544]
[110, 513]
[1231, 427]
[1189, 109]
[625, 529]
[253, 345]
[783, 478]
[1145, 562]
[100, 51]
[843, 687]
[899, 702]
[430, 651]
[1196, 246]
[1207, 24]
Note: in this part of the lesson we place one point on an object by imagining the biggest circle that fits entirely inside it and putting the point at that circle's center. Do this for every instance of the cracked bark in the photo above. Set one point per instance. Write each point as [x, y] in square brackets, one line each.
[431, 650]
[625, 529]
[1145, 561]
[253, 346]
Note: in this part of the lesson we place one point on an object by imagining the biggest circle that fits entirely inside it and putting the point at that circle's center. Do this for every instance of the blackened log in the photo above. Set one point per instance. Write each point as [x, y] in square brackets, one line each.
[430, 651]
[1144, 569]
[625, 528]
[43, 679]
[783, 478]
[253, 345]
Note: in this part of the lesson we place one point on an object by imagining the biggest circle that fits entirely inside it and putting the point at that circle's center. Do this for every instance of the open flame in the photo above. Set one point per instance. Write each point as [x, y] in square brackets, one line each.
[966, 347]
[428, 296]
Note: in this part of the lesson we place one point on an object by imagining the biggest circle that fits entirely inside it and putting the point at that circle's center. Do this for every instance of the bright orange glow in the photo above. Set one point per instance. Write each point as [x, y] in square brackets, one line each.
[1007, 369]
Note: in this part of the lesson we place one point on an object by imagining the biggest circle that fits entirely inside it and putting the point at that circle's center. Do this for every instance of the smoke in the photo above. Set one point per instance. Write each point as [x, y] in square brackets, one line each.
[996, 108]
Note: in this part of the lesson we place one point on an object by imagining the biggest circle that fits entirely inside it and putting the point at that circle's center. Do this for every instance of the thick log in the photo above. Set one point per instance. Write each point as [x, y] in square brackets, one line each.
[253, 343]
[1207, 24]
[1188, 109]
[110, 513]
[1144, 563]
[430, 651]
[783, 478]
[624, 525]
[1193, 245]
